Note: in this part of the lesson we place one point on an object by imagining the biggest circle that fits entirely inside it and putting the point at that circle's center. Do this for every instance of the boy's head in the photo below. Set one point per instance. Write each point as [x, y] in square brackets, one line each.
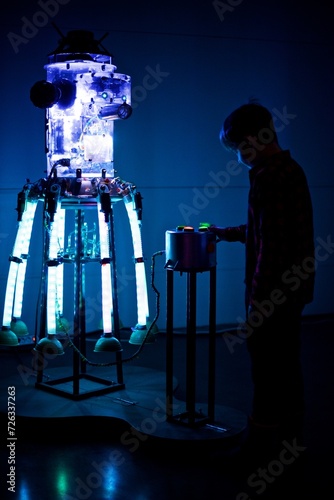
[249, 120]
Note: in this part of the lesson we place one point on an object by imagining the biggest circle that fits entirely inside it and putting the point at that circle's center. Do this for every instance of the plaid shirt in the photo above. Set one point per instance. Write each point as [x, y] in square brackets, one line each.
[279, 233]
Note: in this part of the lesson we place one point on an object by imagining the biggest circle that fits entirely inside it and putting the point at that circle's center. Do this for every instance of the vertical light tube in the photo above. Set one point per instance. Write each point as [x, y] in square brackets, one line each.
[52, 278]
[141, 285]
[51, 302]
[21, 272]
[60, 267]
[107, 305]
[9, 297]
[21, 244]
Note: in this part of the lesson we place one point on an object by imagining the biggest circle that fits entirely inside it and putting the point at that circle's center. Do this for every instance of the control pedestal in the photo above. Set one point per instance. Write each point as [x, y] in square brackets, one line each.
[190, 252]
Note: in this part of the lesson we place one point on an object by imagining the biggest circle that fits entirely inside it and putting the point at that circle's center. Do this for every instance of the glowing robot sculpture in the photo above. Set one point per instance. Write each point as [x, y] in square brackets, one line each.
[82, 96]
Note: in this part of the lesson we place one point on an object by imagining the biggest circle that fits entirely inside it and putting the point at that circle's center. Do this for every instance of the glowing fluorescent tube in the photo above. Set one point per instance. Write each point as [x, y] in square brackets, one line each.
[107, 305]
[52, 301]
[142, 299]
[60, 267]
[21, 246]
[52, 290]
[28, 220]
[17, 310]
[9, 297]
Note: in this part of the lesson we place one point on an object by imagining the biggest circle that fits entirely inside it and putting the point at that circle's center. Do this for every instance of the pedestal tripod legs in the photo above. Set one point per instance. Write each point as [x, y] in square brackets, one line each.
[190, 417]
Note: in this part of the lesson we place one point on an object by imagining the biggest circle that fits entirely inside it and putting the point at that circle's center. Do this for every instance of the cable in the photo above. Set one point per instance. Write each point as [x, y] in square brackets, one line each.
[126, 360]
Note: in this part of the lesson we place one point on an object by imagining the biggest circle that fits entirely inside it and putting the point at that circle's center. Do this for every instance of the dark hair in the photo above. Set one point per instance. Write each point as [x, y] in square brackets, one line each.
[249, 119]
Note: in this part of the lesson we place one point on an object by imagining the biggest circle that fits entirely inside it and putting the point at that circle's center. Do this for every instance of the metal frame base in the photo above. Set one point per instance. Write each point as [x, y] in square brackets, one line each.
[109, 386]
[192, 419]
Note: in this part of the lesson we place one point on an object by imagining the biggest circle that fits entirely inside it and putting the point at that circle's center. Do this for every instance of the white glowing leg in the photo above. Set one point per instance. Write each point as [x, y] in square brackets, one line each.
[52, 288]
[60, 267]
[107, 303]
[10, 291]
[21, 272]
[51, 302]
[17, 269]
[142, 299]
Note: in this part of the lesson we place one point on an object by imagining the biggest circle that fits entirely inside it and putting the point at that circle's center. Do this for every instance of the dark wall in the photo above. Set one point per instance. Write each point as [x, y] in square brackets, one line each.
[191, 63]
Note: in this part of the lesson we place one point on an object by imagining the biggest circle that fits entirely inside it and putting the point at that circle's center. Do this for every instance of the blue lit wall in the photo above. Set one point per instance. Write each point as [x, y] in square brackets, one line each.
[191, 63]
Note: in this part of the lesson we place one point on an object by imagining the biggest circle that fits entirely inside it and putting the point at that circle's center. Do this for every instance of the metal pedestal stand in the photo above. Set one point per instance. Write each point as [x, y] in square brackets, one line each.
[191, 417]
[191, 252]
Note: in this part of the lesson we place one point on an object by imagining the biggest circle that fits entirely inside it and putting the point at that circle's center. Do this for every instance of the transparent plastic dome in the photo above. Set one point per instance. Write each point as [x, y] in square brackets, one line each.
[88, 96]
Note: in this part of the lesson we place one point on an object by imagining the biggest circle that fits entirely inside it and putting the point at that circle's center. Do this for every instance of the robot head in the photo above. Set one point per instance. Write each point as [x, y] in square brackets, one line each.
[82, 97]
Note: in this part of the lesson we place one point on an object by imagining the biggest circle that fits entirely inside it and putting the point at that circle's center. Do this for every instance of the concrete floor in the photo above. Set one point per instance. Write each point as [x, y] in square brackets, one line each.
[119, 445]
